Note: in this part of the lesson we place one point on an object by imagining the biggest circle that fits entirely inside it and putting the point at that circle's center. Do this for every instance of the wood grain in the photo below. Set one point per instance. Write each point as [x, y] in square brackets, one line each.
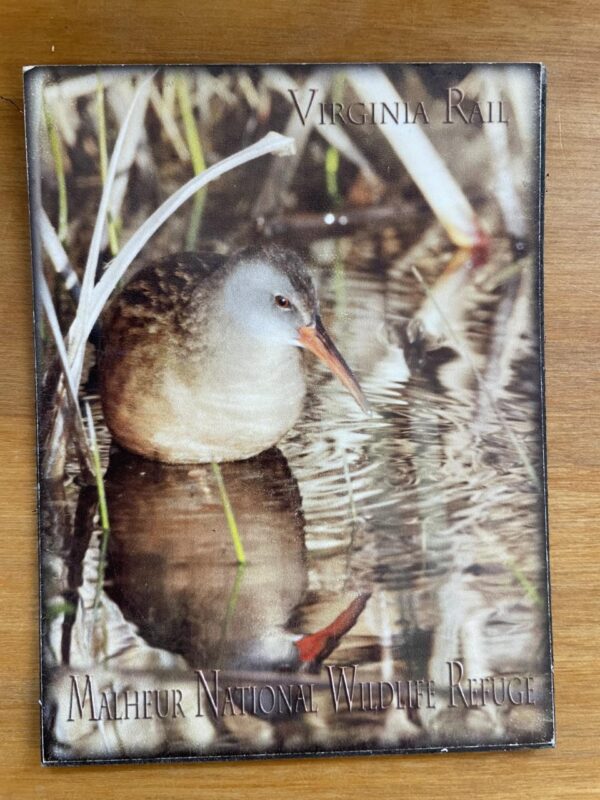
[562, 34]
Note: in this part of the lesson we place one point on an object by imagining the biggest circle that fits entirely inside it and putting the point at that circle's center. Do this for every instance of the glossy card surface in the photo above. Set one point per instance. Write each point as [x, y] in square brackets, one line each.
[289, 350]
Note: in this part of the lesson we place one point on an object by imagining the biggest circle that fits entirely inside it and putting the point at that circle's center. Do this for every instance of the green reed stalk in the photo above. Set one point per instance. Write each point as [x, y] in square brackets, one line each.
[332, 155]
[59, 609]
[231, 606]
[113, 238]
[102, 505]
[332, 168]
[504, 275]
[529, 588]
[59, 169]
[194, 144]
[229, 515]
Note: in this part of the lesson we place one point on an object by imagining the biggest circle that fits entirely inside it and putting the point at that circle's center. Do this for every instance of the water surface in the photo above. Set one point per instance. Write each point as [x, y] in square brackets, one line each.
[428, 507]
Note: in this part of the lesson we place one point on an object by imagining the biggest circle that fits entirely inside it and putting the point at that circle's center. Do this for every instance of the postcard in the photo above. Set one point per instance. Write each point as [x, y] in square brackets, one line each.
[290, 407]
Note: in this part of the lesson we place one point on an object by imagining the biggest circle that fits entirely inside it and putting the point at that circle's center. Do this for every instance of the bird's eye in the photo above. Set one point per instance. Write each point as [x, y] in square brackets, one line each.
[282, 302]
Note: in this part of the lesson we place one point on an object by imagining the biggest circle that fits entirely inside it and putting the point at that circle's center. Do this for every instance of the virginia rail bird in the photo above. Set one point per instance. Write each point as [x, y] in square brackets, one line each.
[201, 356]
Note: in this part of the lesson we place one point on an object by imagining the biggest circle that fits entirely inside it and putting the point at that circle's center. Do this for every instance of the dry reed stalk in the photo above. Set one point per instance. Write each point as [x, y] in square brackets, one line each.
[422, 161]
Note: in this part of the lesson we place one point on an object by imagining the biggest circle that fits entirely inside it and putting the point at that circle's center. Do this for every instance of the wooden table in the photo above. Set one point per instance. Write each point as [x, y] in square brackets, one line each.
[562, 34]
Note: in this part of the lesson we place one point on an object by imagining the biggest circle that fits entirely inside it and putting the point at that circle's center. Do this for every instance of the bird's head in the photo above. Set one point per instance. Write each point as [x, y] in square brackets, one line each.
[270, 294]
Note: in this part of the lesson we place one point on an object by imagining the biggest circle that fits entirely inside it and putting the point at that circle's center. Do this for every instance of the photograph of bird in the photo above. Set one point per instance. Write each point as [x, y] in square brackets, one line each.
[201, 356]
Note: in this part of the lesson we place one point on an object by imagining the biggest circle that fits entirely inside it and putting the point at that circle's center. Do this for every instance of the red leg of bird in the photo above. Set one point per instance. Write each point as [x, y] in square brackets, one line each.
[314, 647]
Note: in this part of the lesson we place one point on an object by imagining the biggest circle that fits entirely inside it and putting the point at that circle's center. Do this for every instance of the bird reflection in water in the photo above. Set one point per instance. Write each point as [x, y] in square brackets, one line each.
[172, 569]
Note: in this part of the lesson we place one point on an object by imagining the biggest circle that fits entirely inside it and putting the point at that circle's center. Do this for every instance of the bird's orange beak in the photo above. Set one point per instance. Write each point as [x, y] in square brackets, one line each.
[316, 339]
